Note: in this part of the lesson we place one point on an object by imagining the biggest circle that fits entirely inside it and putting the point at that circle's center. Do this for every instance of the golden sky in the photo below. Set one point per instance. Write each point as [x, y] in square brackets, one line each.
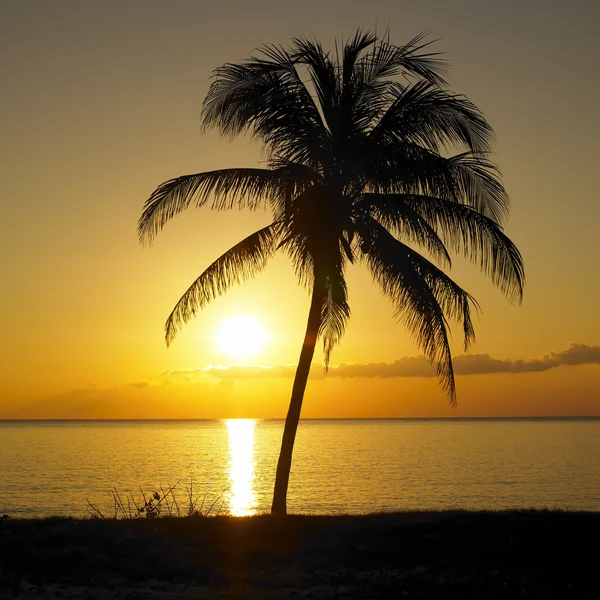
[100, 103]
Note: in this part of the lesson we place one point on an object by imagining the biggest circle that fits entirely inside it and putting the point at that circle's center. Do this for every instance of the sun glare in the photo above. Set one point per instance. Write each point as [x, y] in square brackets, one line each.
[241, 336]
[241, 466]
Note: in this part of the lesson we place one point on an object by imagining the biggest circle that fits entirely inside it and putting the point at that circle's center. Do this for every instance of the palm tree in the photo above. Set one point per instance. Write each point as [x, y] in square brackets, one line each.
[368, 157]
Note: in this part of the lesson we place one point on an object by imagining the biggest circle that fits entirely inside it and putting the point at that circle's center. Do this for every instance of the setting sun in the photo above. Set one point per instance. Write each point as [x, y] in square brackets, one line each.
[241, 336]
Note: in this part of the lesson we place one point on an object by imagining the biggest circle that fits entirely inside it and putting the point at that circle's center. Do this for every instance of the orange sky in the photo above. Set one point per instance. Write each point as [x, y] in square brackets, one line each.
[100, 103]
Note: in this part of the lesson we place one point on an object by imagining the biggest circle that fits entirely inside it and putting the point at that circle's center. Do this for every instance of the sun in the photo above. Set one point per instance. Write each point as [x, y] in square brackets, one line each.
[241, 336]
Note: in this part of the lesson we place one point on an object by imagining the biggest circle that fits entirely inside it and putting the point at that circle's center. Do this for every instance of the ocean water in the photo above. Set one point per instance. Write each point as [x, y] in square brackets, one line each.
[340, 466]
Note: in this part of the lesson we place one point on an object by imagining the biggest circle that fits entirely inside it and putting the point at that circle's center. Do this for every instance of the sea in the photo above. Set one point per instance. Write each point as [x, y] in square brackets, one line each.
[341, 466]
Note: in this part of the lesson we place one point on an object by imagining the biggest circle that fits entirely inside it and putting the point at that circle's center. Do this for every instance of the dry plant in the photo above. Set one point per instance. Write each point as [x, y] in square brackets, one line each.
[157, 504]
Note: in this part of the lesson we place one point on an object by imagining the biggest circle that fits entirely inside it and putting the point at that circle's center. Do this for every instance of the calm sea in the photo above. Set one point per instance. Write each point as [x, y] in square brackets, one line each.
[340, 466]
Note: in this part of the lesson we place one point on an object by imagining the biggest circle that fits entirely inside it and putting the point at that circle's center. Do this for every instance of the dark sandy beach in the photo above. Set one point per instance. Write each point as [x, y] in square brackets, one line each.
[524, 554]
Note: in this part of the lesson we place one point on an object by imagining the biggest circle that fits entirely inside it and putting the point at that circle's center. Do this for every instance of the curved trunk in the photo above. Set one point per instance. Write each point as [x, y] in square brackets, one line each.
[284, 464]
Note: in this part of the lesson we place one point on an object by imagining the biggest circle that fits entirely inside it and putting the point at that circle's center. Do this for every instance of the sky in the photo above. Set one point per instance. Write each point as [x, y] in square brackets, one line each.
[100, 103]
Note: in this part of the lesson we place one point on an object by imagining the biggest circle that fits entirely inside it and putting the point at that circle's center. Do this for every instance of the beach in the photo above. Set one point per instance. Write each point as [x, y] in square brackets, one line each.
[510, 554]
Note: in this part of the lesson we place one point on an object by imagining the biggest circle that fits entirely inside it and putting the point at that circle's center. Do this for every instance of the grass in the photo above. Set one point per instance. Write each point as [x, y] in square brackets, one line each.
[156, 504]
[509, 554]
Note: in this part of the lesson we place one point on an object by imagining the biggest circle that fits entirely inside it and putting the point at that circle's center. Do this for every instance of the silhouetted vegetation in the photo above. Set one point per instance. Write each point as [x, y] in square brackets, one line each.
[517, 554]
[369, 156]
[158, 504]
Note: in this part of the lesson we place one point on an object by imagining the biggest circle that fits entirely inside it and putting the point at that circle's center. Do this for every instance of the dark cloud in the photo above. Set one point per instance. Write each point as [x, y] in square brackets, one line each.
[408, 366]
[464, 364]
[575, 354]
[473, 364]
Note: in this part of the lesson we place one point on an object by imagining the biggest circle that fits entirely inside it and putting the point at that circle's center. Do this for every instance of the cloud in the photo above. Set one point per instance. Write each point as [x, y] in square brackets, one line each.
[254, 372]
[219, 392]
[474, 364]
[415, 366]
[139, 384]
[230, 373]
[575, 354]
[408, 366]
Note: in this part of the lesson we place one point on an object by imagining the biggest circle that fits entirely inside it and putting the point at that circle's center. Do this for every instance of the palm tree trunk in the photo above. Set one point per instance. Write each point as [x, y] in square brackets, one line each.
[282, 477]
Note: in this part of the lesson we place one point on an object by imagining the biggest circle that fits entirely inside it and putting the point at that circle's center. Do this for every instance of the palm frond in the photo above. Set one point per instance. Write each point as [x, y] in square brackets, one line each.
[267, 96]
[407, 168]
[323, 74]
[299, 236]
[244, 188]
[423, 296]
[335, 310]
[478, 181]
[404, 221]
[477, 237]
[388, 61]
[240, 263]
[424, 114]
[343, 117]
[352, 50]
[376, 73]
[297, 178]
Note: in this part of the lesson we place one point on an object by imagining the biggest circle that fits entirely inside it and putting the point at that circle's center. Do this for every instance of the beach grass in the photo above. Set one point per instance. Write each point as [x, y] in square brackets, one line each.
[462, 554]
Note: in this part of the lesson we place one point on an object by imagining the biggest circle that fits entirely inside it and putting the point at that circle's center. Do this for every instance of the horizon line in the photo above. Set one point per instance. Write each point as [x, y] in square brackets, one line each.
[152, 419]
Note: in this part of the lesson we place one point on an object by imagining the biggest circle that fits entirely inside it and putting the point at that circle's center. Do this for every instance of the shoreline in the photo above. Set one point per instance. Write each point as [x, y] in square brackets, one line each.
[433, 554]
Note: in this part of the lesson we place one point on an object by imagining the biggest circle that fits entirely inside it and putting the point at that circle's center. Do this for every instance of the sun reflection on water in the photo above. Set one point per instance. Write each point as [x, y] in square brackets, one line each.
[241, 466]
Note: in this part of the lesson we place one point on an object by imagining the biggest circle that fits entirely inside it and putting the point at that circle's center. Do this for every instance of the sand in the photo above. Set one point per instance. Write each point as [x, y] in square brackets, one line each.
[524, 554]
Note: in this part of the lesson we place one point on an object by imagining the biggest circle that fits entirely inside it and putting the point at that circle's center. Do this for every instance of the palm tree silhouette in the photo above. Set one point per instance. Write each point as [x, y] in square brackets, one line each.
[360, 167]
